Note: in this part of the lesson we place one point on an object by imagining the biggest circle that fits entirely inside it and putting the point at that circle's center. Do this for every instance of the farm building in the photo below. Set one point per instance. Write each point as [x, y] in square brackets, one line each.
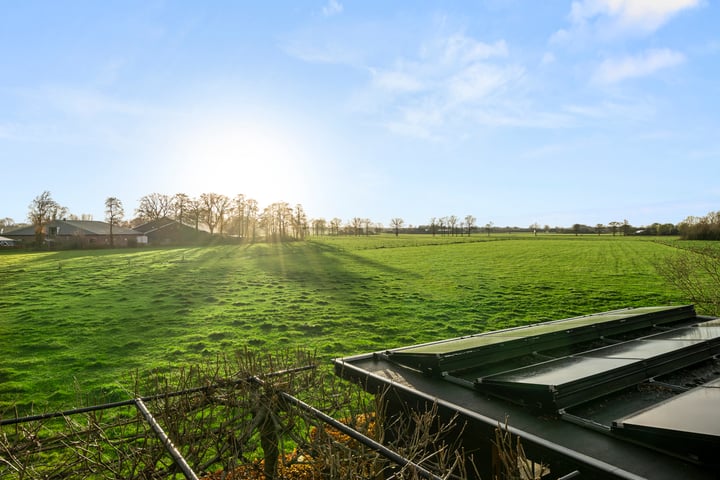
[632, 393]
[79, 234]
[166, 231]
[6, 242]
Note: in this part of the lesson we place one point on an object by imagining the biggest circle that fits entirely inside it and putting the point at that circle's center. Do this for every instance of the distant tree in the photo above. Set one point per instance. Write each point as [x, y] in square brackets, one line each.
[194, 211]
[114, 213]
[470, 223]
[335, 225]
[44, 210]
[534, 228]
[275, 219]
[397, 224]
[299, 222]
[576, 229]
[626, 227]
[239, 204]
[599, 228]
[452, 221]
[433, 226]
[154, 206]
[356, 225]
[214, 208]
[251, 217]
[366, 223]
[6, 222]
[488, 228]
[181, 205]
[319, 226]
[442, 221]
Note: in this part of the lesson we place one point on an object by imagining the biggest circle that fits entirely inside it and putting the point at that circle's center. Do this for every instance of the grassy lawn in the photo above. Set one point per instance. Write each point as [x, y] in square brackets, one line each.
[85, 319]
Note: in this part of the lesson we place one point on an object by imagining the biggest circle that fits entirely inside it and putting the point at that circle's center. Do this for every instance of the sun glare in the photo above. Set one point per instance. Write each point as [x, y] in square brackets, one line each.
[262, 162]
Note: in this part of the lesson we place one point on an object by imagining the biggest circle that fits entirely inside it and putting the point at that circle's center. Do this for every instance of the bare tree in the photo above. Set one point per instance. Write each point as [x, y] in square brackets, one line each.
[114, 213]
[195, 212]
[356, 224]
[181, 204]
[275, 219]
[470, 223]
[397, 224]
[335, 224]
[239, 209]
[213, 208]
[251, 216]
[6, 223]
[319, 225]
[452, 221]
[154, 206]
[534, 228]
[299, 221]
[367, 222]
[44, 210]
[433, 225]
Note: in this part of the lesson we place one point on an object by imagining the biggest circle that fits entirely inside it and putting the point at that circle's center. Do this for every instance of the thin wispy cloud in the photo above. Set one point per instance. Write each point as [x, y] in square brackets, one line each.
[607, 19]
[450, 79]
[614, 70]
[333, 7]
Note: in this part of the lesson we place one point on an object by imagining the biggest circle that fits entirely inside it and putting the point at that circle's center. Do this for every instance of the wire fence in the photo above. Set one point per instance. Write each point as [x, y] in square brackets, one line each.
[231, 419]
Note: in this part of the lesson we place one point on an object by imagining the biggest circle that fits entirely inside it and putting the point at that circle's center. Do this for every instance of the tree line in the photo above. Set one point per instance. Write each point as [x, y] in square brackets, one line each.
[242, 217]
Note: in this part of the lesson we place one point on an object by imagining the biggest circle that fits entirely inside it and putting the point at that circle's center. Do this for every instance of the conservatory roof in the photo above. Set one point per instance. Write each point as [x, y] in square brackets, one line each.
[649, 375]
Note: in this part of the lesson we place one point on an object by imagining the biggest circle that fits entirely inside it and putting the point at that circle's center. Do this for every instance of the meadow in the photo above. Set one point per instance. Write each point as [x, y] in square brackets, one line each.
[78, 323]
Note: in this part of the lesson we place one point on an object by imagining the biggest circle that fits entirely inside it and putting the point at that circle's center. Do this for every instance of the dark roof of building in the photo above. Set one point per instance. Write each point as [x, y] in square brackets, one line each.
[77, 227]
[634, 389]
[162, 224]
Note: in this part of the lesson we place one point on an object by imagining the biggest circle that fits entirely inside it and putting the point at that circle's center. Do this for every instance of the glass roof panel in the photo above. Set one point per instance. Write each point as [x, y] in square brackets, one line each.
[561, 371]
[703, 331]
[518, 333]
[640, 349]
[695, 411]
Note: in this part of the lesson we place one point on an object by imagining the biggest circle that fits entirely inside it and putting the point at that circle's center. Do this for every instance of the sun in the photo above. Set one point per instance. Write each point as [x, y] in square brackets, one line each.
[265, 162]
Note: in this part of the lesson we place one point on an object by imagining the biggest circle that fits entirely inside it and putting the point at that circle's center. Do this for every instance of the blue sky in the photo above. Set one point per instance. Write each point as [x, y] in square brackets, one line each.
[515, 112]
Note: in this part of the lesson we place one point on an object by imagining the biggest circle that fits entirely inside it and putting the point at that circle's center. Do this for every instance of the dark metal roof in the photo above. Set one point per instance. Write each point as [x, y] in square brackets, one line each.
[618, 374]
[76, 227]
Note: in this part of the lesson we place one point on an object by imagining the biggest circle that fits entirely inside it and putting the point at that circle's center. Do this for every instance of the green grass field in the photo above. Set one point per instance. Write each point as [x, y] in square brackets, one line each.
[86, 319]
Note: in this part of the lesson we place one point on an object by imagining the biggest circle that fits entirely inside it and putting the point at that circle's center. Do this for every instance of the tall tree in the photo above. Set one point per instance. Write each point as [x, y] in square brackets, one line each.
[397, 224]
[299, 221]
[181, 204]
[470, 222]
[367, 222]
[319, 226]
[356, 224]
[335, 224]
[114, 213]
[213, 208]
[452, 221]
[240, 204]
[195, 212]
[44, 210]
[154, 206]
[251, 216]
